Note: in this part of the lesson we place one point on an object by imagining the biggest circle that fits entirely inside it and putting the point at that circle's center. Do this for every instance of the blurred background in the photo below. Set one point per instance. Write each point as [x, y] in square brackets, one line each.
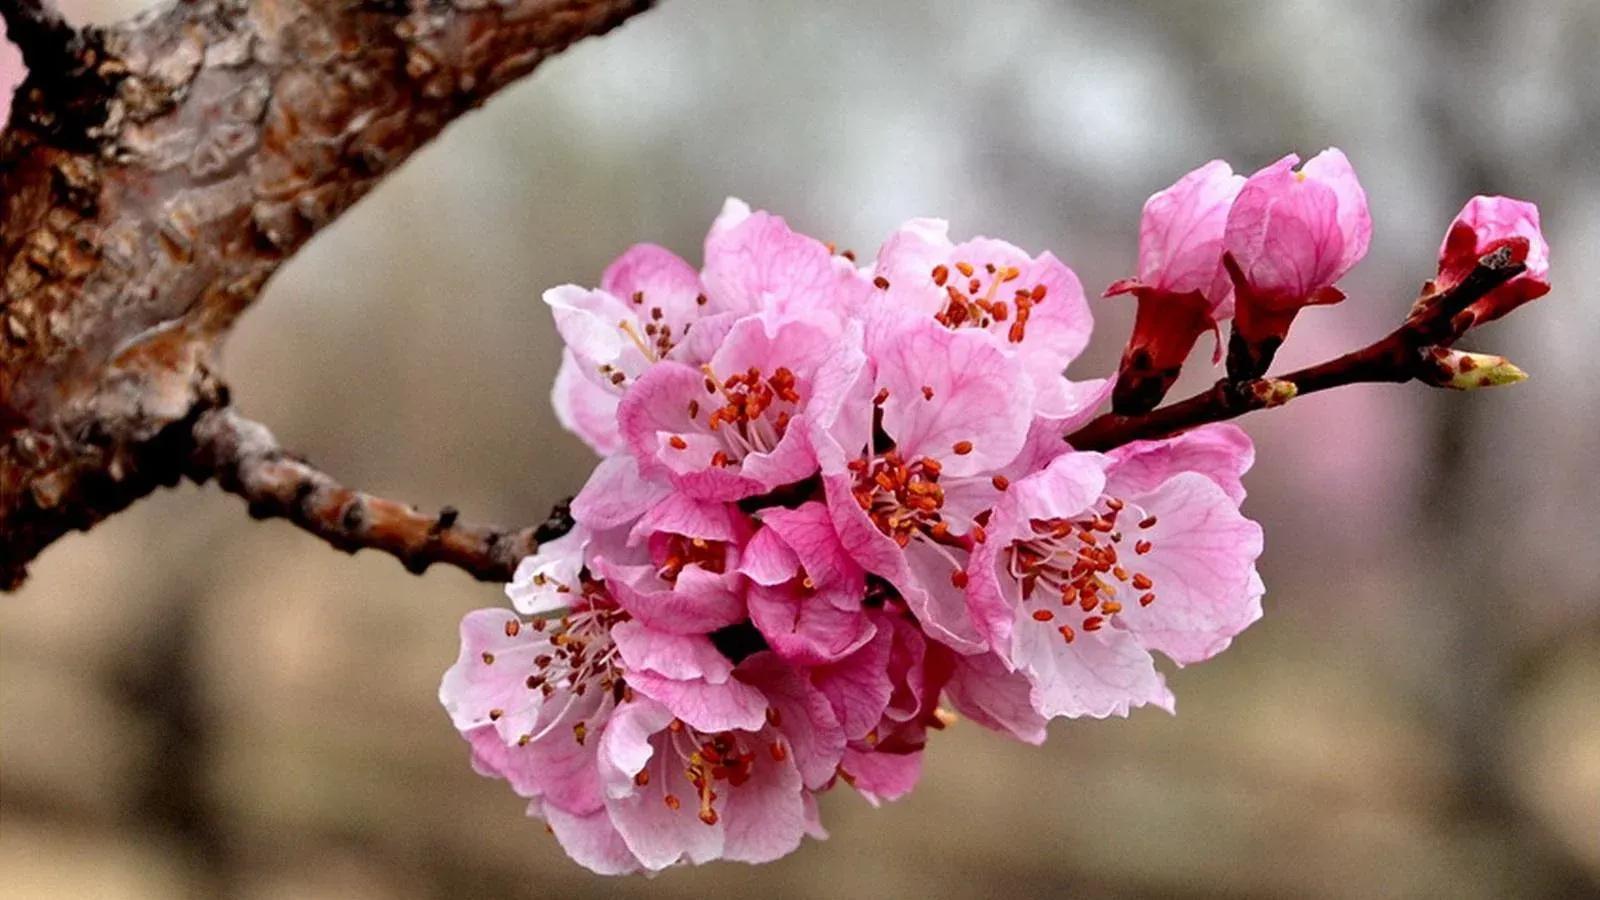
[196, 704]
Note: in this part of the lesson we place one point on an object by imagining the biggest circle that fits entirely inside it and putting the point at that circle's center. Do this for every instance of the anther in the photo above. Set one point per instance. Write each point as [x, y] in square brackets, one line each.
[962, 448]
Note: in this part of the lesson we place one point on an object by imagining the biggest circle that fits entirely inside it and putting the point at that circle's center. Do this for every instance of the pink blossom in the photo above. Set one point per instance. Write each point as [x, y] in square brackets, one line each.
[736, 426]
[1033, 306]
[956, 410]
[1096, 561]
[1179, 292]
[1483, 226]
[1290, 236]
[677, 794]
[805, 593]
[827, 504]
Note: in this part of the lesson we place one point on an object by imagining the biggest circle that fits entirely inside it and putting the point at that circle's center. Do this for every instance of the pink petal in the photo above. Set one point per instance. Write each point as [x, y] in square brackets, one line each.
[807, 628]
[753, 261]
[1221, 452]
[1332, 168]
[616, 494]
[808, 530]
[591, 840]
[765, 817]
[804, 718]
[1098, 674]
[547, 581]
[591, 325]
[980, 397]
[698, 603]
[659, 279]
[12, 73]
[1180, 233]
[858, 686]
[882, 777]
[986, 691]
[687, 675]
[585, 408]
[1203, 567]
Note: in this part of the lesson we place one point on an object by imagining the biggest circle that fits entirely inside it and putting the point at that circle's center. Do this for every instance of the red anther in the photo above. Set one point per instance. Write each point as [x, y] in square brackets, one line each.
[962, 448]
[779, 752]
[1119, 573]
[880, 397]
[941, 274]
[881, 283]
[1093, 623]
[1147, 522]
[1043, 615]
[1114, 504]
[958, 578]
[513, 627]
[1066, 633]
[488, 658]
[927, 392]
[1147, 599]
[965, 269]
[1142, 547]
[1142, 582]
[1111, 607]
[495, 714]
[1000, 482]
[678, 443]
[672, 801]
[1038, 293]
[979, 536]
[643, 778]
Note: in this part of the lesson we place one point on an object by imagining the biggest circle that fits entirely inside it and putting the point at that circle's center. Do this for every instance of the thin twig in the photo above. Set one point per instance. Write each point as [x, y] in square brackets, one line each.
[1398, 357]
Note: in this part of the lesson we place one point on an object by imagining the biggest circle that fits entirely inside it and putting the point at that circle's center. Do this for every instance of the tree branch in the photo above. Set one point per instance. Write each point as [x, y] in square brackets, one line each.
[157, 172]
[1399, 357]
[246, 460]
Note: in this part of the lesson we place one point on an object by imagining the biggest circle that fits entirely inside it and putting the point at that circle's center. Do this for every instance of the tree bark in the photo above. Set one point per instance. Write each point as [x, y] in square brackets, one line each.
[153, 177]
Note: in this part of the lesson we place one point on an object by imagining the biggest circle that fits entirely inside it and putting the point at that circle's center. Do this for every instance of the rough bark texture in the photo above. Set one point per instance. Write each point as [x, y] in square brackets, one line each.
[154, 176]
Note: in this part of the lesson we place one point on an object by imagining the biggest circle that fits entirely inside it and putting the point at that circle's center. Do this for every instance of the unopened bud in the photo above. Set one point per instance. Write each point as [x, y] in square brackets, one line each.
[1463, 371]
[1270, 392]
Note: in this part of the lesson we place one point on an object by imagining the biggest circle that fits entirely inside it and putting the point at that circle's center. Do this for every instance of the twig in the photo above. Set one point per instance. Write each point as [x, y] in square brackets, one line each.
[246, 460]
[1397, 358]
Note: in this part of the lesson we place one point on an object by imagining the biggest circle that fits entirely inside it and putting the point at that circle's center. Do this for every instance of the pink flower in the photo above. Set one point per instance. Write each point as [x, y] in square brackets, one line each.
[1483, 226]
[735, 426]
[1033, 307]
[1290, 236]
[805, 592]
[906, 476]
[677, 793]
[12, 74]
[529, 696]
[1179, 292]
[1096, 561]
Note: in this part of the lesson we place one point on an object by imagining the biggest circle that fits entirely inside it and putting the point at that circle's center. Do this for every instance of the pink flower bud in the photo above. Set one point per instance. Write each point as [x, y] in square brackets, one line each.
[1487, 224]
[1179, 291]
[1290, 236]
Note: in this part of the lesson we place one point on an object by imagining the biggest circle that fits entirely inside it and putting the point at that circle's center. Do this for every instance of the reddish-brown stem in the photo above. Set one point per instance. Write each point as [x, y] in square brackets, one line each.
[246, 460]
[1398, 357]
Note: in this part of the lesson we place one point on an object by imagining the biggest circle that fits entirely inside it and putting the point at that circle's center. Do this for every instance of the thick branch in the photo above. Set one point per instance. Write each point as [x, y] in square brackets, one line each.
[1397, 358]
[156, 173]
[246, 460]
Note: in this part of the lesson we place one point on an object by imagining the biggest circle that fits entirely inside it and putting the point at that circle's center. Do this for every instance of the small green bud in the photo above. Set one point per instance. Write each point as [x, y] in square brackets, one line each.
[1459, 370]
[1271, 392]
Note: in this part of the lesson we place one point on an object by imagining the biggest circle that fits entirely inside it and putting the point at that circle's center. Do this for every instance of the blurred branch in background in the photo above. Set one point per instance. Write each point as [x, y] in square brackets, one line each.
[156, 173]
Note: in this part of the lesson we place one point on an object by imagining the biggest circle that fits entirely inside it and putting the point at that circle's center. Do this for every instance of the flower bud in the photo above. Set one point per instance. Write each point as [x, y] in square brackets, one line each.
[1487, 224]
[1290, 235]
[1272, 392]
[1459, 370]
[1178, 291]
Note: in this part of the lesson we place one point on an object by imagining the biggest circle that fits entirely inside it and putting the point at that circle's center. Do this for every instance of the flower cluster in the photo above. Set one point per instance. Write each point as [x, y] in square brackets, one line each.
[835, 511]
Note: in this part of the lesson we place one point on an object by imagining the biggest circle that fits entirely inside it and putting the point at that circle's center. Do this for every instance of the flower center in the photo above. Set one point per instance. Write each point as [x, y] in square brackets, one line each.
[977, 298]
[904, 501]
[678, 552]
[755, 412]
[726, 759]
[581, 656]
[1074, 568]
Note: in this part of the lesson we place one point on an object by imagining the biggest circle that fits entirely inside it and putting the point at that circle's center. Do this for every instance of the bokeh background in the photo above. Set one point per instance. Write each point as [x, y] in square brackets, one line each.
[196, 704]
